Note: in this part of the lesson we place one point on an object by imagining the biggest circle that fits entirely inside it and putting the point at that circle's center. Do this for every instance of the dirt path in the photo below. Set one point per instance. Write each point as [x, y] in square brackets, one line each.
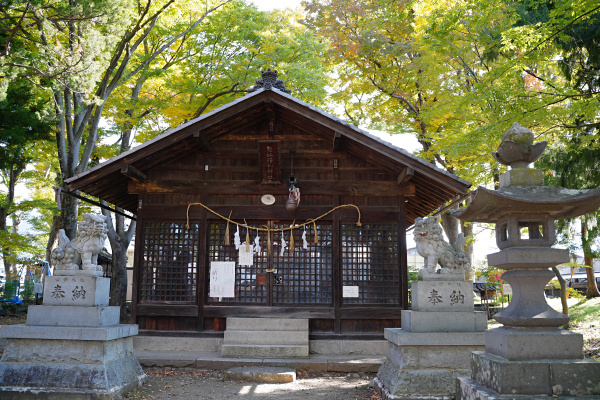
[209, 385]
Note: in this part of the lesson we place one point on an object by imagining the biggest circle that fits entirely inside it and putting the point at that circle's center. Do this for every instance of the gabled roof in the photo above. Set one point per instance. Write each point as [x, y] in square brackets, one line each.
[109, 179]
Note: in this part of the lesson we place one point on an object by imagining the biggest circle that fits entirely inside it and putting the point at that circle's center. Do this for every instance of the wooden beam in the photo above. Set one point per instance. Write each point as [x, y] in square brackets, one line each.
[405, 176]
[133, 173]
[337, 141]
[250, 187]
[202, 140]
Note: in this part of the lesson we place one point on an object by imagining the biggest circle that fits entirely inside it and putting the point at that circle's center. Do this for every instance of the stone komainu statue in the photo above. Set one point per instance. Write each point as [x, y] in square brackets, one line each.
[434, 249]
[83, 250]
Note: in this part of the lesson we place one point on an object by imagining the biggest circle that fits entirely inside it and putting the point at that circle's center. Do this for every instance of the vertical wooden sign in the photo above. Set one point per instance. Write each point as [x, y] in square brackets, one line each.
[270, 161]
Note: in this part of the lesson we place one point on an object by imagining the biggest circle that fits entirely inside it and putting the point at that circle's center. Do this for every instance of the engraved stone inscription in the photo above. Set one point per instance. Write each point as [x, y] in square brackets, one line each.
[435, 297]
[78, 292]
[456, 298]
[58, 293]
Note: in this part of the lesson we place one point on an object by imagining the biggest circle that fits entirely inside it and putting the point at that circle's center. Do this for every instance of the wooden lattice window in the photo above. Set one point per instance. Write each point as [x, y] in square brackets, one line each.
[169, 262]
[305, 275]
[370, 263]
[301, 277]
[247, 289]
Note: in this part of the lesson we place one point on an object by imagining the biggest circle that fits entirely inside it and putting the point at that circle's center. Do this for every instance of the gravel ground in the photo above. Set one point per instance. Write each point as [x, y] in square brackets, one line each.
[162, 384]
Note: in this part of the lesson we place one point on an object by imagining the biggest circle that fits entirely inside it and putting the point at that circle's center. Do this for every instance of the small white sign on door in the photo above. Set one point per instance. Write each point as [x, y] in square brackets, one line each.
[222, 279]
[246, 257]
[349, 291]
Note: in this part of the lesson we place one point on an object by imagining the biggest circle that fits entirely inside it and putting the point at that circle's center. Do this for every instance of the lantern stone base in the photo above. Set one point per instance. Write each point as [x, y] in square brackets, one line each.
[425, 365]
[494, 377]
[515, 344]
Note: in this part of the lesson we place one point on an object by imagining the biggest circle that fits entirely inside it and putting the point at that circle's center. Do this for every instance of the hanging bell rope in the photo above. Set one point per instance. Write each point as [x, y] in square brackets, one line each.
[267, 229]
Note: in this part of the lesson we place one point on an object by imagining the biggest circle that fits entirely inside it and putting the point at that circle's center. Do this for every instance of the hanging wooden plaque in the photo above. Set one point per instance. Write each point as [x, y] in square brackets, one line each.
[270, 161]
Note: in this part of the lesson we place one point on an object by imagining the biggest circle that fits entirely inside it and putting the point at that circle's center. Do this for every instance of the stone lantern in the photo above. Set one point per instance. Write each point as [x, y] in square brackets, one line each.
[529, 355]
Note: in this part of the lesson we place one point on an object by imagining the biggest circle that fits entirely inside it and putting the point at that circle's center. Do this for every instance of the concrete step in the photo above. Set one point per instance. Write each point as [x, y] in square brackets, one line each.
[260, 374]
[266, 337]
[264, 351]
[267, 324]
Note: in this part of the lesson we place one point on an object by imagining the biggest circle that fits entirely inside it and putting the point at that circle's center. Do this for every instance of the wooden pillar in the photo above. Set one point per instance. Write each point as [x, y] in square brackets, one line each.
[201, 271]
[337, 267]
[402, 253]
[137, 257]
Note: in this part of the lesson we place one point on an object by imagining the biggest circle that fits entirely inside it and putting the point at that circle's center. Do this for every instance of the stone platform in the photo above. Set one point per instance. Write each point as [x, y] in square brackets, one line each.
[425, 365]
[74, 348]
[434, 345]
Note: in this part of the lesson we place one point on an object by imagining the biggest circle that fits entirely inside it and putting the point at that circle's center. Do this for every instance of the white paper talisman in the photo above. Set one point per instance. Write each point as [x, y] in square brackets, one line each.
[222, 279]
[246, 257]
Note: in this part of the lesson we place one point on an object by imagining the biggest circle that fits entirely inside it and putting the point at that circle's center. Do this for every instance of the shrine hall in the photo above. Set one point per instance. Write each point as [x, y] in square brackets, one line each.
[270, 207]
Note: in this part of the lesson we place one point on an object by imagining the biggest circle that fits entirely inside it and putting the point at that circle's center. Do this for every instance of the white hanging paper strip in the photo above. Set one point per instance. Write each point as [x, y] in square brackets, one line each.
[222, 279]
[304, 242]
[283, 246]
[246, 255]
[257, 247]
[236, 238]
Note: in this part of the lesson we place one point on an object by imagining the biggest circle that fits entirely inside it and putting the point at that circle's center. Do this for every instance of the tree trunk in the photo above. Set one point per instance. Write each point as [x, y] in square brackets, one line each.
[592, 288]
[563, 291]
[118, 279]
[119, 239]
[69, 214]
[8, 254]
[467, 230]
[52, 237]
[450, 225]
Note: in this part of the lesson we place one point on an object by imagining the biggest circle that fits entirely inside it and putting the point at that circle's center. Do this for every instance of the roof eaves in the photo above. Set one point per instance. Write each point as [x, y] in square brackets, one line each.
[376, 138]
[164, 135]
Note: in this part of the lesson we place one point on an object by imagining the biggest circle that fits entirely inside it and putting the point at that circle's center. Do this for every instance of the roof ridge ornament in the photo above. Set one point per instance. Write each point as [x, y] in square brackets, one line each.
[269, 81]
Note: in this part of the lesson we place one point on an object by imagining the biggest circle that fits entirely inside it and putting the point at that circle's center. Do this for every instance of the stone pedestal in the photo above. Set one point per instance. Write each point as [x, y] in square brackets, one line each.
[435, 343]
[530, 356]
[72, 347]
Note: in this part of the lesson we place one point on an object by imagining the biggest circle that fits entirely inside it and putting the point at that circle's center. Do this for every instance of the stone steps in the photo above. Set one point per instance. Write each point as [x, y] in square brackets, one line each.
[264, 351]
[266, 338]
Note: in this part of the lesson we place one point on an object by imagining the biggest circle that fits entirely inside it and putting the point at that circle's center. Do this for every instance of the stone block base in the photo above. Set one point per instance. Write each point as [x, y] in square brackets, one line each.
[386, 395]
[73, 316]
[80, 290]
[67, 367]
[442, 296]
[516, 344]
[539, 377]
[443, 321]
[425, 365]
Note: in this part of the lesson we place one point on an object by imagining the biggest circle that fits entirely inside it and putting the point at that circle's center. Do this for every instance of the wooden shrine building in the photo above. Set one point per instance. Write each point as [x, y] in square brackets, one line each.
[237, 161]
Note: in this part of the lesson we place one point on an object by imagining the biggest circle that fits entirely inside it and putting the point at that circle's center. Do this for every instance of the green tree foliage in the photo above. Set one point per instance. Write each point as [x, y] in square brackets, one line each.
[23, 126]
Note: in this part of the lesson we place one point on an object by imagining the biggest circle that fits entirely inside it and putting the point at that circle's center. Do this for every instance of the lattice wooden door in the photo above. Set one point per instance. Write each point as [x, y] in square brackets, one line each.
[279, 277]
